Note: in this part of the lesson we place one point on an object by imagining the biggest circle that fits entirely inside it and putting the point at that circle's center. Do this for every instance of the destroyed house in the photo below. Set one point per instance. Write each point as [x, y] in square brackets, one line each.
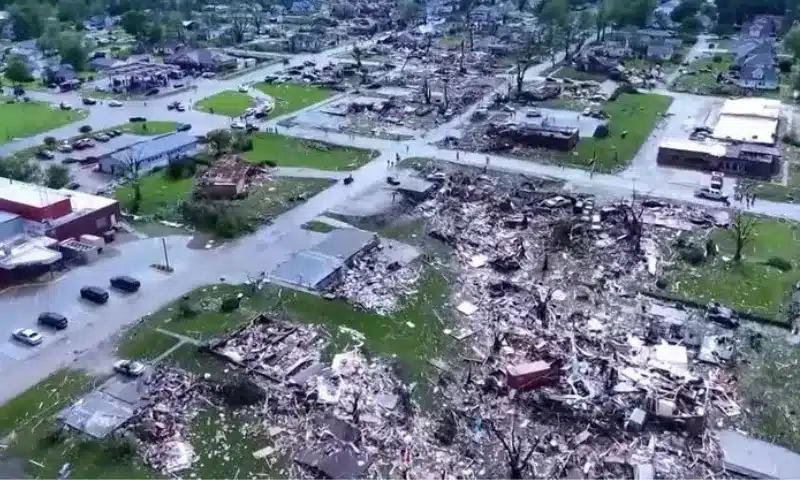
[556, 137]
[227, 178]
[737, 158]
[320, 267]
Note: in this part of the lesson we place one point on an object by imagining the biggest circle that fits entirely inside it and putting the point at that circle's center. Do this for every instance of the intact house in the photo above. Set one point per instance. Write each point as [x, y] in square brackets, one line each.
[59, 74]
[755, 64]
[149, 154]
[202, 59]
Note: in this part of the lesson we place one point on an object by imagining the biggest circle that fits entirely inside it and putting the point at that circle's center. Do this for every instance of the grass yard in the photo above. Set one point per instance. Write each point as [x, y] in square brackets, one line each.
[229, 103]
[571, 73]
[317, 226]
[777, 192]
[704, 76]
[750, 285]
[297, 152]
[634, 113]
[158, 192]
[23, 119]
[290, 97]
[150, 127]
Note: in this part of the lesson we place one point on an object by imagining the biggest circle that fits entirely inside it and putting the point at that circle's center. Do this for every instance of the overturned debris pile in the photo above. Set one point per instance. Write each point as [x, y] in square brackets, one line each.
[162, 422]
[377, 283]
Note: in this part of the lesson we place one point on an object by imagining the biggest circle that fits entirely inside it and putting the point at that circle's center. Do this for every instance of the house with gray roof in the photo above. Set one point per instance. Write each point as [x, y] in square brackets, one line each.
[149, 154]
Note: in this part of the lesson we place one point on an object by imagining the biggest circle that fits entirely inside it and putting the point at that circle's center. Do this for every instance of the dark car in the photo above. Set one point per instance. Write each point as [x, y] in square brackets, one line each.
[94, 294]
[184, 127]
[151, 92]
[19, 91]
[125, 283]
[89, 101]
[54, 320]
[73, 185]
[137, 119]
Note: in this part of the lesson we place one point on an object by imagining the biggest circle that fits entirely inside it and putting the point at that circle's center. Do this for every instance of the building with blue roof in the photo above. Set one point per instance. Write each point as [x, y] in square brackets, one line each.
[149, 154]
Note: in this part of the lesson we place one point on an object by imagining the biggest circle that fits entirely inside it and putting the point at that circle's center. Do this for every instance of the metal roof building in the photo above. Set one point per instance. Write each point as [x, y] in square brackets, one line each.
[149, 154]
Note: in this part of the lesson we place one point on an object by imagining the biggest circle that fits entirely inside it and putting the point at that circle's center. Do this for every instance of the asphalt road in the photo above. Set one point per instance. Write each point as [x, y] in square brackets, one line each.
[22, 367]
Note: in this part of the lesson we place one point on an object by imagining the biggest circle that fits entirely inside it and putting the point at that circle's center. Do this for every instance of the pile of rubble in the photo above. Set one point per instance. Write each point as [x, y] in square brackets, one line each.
[162, 421]
[376, 284]
[550, 286]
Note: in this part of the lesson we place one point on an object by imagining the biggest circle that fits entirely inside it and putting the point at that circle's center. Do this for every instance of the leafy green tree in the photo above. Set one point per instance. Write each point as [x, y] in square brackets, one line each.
[792, 42]
[17, 71]
[28, 19]
[691, 26]
[50, 38]
[72, 11]
[219, 141]
[632, 12]
[685, 9]
[19, 168]
[56, 176]
[134, 23]
[72, 50]
[155, 33]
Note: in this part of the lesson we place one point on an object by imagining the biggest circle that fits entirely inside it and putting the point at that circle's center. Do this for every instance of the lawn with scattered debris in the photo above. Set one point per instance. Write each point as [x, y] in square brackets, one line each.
[701, 75]
[750, 285]
[632, 118]
[297, 152]
[229, 103]
[159, 193]
[150, 127]
[291, 97]
[580, 76]
[318, 226]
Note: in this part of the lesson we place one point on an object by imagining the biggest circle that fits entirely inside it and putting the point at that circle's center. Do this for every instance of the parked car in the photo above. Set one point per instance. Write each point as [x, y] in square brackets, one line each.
[114, 103]
[180, 108]
[45, 154]
[177, 85]
[89, 101]
[115, 133]
[95, 294]
[243, 88]
[69, 160]
[28, 336]
[65, 147]
[125, 283]
[19, 91]
[137, 119]
[238, 126]
[53, 320]
[130, 368]
[207, 75]
[65, 106]
[102, 137]
[151, 92]
[184, 127]
[711, 194]
[73, 185]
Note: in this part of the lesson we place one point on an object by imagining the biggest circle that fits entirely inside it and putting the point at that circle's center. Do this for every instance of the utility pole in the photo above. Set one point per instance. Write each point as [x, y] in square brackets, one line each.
[166, 256]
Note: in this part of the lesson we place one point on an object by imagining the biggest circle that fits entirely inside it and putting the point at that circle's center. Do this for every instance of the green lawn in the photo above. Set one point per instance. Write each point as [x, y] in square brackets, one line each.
[704, 76]
[297, 152]
[317, 226]
[158, 192]
[150, 127]
[635, 114]
[750, 285]
[290, 97]
[229, 103]
[21, 119]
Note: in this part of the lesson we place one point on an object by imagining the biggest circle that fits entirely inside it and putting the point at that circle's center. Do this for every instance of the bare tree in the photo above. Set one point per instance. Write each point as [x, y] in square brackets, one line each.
[357, 54]
[633, 222]
[524, 62]
[426, 91]
[131, 169]
[258, 21]
[517, 455]
[446, 93]
[542, 307]
[239, 22]
[461, 58]
[743, 229]
[354, 409]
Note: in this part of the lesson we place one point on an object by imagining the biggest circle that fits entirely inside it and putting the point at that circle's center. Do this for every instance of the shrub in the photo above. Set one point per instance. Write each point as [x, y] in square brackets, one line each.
[230, 304]
[174, 171]
[692, 255]
[50, 141]
[780, 263]
[85, 129]
[270, 163]
[243, 392]
[601, 131]
[717, 58]
[785, 65]
[676, 58]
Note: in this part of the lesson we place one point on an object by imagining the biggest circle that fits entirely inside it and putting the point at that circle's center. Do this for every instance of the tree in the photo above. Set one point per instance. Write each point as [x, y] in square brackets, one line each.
[155, 33]
[56, 176]
[357, 54]
[258, 19]
[17, 71]
[134, 23]
[685, 9]
[20, 169]
[28, 19]
[691, 26]
[239, 22]
[219, 141]
[792, 42]
[50, 39]
[601, 18]
[411, 12]
[517, 456]
[632, 12]
[73, 11]
[131, 170]
[743, 230]
[72, 50]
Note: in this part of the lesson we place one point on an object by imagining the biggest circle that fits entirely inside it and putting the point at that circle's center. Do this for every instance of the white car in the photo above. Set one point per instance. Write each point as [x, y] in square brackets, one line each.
[243, 88]
[238, 126]
[114, 103]
[711, 194]
[130, 368]
[27, 336]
